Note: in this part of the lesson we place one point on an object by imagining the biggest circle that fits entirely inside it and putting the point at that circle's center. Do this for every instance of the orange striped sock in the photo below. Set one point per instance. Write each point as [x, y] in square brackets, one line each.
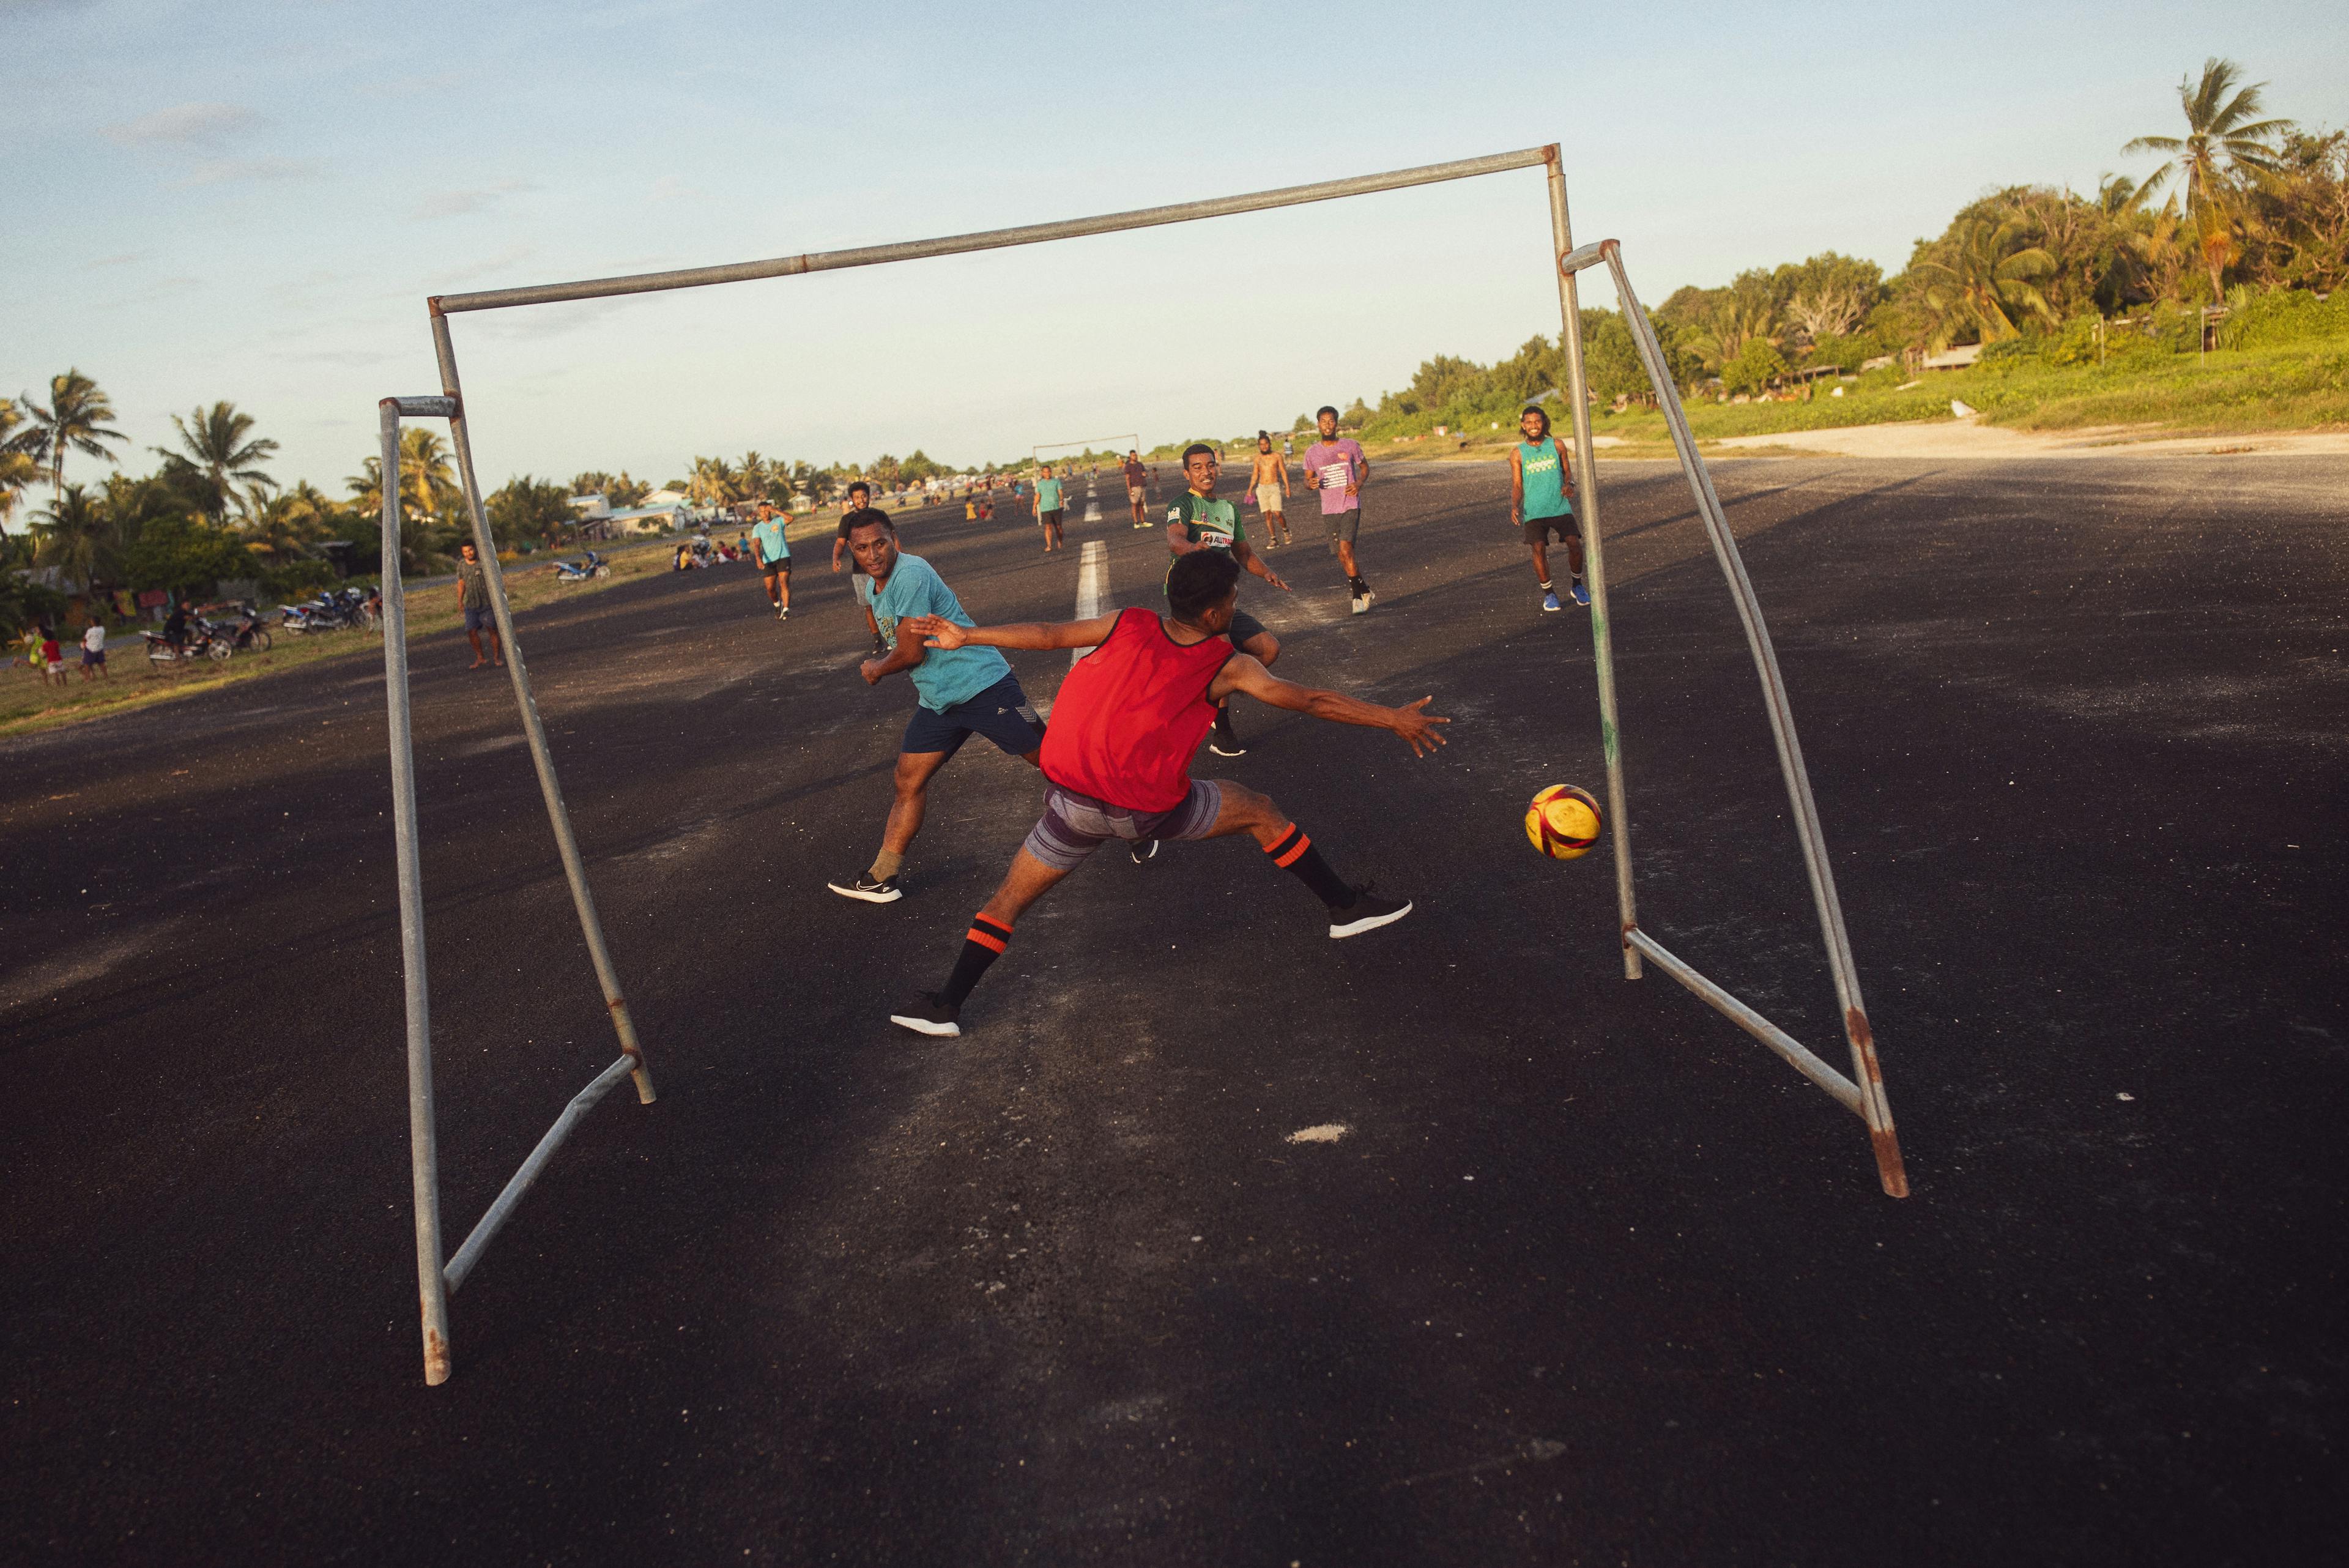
[1293, 852]
[981, 946]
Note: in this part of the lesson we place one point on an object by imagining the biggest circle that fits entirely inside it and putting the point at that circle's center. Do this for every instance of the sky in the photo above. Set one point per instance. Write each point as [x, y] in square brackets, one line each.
[250, 202]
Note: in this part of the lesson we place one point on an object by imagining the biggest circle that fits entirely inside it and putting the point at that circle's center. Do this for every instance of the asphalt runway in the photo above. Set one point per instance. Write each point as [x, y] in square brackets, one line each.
[1591, 1278]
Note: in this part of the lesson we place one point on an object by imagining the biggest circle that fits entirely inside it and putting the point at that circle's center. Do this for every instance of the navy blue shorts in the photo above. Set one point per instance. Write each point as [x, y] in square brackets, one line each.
[479, 620]
[1000, 713]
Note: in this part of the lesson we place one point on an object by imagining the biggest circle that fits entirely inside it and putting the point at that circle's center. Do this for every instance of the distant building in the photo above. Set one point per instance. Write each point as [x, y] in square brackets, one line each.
[1952, 358]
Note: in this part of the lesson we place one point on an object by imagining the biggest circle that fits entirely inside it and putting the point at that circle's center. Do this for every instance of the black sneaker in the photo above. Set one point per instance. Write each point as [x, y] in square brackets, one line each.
[1368, 912]
[1226, 741]
[1143, 849]
[865, 886]
[932, 1017]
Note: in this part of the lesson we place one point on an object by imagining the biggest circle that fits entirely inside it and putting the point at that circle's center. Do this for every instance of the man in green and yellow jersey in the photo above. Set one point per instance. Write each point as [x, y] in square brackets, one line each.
[1199, 520]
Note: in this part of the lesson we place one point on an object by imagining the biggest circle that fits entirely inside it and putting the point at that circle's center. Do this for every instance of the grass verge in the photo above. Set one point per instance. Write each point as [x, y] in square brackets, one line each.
[27, 703]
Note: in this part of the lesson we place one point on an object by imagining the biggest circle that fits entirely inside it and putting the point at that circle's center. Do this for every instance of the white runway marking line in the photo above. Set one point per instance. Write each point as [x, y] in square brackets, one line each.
[1326, 1132]
[1093, 587]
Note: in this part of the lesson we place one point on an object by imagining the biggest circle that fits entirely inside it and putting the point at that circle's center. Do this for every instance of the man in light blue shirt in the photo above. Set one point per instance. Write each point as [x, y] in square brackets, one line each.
[1050, 508]
[960, 692]
[774, 553]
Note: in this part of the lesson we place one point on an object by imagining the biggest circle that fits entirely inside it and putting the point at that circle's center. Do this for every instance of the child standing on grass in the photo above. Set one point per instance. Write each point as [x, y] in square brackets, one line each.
[93, 652]
[53, 658]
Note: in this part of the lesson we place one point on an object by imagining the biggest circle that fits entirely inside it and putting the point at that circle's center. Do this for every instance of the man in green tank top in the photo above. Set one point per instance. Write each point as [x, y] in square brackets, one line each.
[1541, 500]
[1201, 520]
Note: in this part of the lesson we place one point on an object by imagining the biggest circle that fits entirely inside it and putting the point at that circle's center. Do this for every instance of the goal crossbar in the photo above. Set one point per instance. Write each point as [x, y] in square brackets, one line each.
[1862, 1092]
[1132, 443]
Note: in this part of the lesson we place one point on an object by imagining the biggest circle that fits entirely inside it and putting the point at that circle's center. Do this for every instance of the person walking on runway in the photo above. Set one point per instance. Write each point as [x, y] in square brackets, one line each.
[774, 554]
[1541, 500]
[1137, 488]
[1270, 478]
[1335, 466]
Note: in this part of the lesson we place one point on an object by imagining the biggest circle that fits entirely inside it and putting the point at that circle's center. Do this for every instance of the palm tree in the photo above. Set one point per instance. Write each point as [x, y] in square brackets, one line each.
[713, 482]
[217, 443]
[1729, 326]
[2224, 137]
[18, 468]
[280, 526]
[76, 534]
[75, 418]
[1982, 275]
[754, 477]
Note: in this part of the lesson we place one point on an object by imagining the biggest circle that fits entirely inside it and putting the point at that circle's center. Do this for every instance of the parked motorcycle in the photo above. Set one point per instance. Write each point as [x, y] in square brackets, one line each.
[595, 565]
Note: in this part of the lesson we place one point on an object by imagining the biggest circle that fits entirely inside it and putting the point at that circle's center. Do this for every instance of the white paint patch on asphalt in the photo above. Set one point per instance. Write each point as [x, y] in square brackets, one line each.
[1326, 1132]
[1093, 586]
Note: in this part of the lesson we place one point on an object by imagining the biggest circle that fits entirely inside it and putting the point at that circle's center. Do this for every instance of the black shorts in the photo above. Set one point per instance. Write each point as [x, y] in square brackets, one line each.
[480, 619]
[1000, 713]
[1243, 626]
[781, 569]
[1050, 519]
[1538, 529]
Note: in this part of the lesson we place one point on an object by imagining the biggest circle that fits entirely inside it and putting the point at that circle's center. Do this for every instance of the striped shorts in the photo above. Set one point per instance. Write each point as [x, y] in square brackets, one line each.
[1074, 826]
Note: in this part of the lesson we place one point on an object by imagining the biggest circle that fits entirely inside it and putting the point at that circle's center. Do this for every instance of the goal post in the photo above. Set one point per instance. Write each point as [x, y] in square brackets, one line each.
[1863, 1092]
[1057, 451]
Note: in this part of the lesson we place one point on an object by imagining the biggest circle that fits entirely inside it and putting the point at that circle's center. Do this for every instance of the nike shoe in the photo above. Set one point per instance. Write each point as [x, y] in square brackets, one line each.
[1226, 740]
[1368, 912]
[932, 1017]
[1145, 850]
[863, 886]
[1582, 595]
[1549, 601]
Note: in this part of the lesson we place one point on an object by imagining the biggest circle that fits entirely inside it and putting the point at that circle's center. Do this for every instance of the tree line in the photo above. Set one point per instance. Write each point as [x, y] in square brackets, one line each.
[211, 511]
[2244, 210]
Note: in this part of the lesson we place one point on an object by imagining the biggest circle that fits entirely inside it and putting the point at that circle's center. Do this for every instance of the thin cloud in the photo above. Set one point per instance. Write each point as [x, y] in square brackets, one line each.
[206, 126]
[223, 171]
[459, 203]
[123, 259]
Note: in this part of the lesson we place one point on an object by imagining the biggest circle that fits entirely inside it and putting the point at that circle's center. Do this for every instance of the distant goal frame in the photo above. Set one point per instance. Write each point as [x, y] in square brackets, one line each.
[1862, 1092]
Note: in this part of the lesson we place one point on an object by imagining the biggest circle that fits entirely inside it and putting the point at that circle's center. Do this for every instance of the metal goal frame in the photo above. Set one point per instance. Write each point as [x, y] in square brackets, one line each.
[1861, 1093]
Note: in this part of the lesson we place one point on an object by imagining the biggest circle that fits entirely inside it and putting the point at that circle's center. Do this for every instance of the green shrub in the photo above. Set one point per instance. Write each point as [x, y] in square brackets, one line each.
[2278, 317]
[1753, 368]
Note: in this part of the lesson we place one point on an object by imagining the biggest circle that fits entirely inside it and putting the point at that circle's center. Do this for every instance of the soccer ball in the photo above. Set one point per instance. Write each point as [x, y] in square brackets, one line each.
[1563, 822]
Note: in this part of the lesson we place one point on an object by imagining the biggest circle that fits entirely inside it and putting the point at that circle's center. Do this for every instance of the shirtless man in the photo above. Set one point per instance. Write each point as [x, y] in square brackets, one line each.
[1270, 479]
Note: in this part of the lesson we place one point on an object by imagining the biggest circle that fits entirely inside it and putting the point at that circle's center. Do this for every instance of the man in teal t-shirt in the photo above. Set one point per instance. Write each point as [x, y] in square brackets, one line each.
[774, 554]
[1048, 509]
[1201, 520]
[1541, 499]
[960, 692]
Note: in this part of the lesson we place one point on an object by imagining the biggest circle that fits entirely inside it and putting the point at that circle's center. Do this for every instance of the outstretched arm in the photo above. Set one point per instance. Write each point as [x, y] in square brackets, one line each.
[1244, 554]
[936, 631]
[1243, 673]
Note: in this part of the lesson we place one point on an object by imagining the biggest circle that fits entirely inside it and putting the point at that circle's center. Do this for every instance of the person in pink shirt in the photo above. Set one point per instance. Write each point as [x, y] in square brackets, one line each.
[1335, 466]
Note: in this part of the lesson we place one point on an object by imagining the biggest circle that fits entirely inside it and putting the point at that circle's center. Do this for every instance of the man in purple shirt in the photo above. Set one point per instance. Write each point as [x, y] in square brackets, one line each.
[1335, 466]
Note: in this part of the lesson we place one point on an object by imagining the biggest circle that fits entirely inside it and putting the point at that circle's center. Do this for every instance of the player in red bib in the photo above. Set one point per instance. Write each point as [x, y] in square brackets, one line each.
[1118, 750]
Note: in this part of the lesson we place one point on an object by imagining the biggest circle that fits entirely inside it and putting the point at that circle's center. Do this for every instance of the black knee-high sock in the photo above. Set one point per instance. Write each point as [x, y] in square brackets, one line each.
[981, 946]
[1294, 853]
